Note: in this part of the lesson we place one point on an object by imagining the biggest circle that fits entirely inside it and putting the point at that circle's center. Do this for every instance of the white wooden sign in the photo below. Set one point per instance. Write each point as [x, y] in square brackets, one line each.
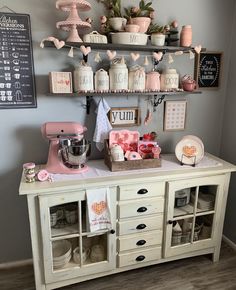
[124, 117]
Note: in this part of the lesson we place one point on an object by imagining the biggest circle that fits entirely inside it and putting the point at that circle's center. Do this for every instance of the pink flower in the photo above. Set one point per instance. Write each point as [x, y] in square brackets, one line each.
[152, 15]
[103, 19]
[174, 24]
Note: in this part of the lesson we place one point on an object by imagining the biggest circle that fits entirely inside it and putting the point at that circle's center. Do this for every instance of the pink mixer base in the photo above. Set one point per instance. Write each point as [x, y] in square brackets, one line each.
[62, 169]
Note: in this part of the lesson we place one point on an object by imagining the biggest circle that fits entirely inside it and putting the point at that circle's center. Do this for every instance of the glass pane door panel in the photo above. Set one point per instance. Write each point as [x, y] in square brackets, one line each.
[184, 205]
[182, 231]
[64, 219]
[96, 247]
[206, 198]
[205, 222]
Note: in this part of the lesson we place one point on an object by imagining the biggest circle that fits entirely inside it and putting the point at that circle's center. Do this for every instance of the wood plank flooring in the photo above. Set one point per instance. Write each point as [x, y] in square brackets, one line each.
[198, 273]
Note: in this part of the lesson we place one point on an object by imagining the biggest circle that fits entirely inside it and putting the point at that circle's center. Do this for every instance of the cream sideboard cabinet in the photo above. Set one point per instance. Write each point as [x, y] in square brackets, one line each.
[158, 215]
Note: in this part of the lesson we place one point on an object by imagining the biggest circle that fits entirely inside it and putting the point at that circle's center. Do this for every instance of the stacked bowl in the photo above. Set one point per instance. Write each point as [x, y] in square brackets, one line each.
[61, 251]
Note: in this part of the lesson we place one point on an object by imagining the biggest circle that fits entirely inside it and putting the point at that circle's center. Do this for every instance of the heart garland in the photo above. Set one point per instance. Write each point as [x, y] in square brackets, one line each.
[157, 55]
[198, 48]
[111, 54]
[135, 56]
[58, 43]
[85, 50]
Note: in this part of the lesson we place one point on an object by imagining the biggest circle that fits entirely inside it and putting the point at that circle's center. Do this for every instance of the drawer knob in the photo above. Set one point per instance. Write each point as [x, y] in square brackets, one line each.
[142, 191]
[112, 231]
[141, 227]
[140, 258]
[142, 209]
[141, 243]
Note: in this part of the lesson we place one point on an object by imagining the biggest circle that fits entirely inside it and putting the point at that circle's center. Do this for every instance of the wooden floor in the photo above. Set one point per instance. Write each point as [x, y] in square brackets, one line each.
[189, 274]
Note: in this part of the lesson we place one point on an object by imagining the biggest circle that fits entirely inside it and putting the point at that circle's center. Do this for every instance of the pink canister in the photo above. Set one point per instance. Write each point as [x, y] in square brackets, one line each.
[153, 81]
[186, 36]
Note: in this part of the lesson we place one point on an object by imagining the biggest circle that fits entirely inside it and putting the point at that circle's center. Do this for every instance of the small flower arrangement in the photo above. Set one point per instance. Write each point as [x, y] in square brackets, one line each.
[156, 28]
[113, 7]
[143, 10]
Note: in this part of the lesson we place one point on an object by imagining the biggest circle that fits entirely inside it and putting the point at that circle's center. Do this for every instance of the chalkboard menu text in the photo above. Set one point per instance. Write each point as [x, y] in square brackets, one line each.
[208, 69]
[17, 83]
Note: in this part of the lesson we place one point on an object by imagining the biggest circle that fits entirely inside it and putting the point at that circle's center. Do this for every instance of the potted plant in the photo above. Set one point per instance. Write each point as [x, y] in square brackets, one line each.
[158, 34]
[140, 15]
[115, 21]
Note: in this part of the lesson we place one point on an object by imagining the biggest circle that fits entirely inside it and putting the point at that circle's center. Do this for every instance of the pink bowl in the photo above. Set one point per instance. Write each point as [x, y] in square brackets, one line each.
[132, 28]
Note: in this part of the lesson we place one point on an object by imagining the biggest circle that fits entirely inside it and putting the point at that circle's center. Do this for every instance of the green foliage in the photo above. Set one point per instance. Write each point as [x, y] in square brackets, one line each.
[113, 7]
[155, 28]
[143, 10]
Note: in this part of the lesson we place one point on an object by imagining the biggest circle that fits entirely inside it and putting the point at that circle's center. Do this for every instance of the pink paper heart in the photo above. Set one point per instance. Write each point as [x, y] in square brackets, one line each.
[59, 44]
[157, 55]
[111, 54]
[198, 48]
[85, 50]
[135, 56]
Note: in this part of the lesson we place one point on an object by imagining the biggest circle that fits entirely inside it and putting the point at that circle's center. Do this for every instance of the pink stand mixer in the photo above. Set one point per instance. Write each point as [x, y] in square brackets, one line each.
[68, 149]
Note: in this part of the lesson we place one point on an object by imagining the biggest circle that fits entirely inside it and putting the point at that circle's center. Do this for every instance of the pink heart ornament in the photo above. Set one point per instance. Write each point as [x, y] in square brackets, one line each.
[111, 54]
[85, 50]
[135, 56]
[198, 48]
[59, 44]
[157, 55]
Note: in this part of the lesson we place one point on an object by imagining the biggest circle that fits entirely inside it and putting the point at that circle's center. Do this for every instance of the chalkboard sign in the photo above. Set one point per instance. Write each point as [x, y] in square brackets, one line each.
[208, 69]
[17, 83]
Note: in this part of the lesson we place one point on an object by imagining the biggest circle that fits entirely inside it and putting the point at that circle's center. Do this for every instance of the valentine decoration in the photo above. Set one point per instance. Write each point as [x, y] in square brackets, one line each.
[73, 21]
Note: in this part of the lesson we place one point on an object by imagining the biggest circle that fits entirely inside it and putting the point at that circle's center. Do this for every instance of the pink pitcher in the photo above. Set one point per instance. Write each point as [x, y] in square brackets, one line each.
[153, 81]
[188, 83]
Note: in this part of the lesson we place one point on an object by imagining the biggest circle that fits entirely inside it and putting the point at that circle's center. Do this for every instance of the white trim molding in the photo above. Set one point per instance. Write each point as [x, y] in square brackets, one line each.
[229, 242]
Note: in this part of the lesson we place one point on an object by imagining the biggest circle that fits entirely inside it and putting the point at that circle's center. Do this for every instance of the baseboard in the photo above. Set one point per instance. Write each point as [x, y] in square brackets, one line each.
[16, 264]
[229, 242]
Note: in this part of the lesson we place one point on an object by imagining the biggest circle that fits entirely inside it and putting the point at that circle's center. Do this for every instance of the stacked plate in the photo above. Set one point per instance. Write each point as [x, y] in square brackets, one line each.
[189, 150]
[61, 251]
[205, 202]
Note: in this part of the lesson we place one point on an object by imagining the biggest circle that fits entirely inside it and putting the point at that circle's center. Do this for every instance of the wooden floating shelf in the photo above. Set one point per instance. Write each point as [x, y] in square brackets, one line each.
[106, 94]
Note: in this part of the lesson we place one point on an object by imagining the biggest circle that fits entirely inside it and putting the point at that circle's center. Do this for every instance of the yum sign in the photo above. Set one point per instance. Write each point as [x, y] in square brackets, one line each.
[124, 117]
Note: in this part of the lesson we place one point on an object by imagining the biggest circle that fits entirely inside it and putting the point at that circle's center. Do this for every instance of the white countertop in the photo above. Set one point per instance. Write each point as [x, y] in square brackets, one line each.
[99, 172]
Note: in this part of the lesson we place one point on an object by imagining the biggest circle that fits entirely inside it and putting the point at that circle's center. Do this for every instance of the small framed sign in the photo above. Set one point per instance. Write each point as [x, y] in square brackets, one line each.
[208, 66]
[174, 116]
[124, 117]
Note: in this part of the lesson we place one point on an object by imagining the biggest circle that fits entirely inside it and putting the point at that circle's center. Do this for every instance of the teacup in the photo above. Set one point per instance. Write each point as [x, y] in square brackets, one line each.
[76, 255]
[118, 23]
[189, 85]
[55, 215]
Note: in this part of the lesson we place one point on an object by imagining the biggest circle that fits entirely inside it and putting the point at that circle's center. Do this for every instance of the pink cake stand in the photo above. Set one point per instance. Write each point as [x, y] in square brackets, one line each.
[73, 21]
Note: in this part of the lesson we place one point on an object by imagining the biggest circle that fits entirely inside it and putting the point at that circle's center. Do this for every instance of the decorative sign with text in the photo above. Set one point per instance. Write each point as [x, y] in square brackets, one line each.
[124, 117]
[208, 69]
[17, 83]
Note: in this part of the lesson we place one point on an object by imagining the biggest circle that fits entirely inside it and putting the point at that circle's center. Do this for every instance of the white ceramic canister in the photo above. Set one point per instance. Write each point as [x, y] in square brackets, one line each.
[83, 78]
[169, 80]
[101, 80]
[118, 73]
[117, 153]
[137, 78]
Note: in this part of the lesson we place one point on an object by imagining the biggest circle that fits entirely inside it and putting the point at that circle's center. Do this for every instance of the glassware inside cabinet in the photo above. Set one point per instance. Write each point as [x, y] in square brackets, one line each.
[182, 231]
[64, 219]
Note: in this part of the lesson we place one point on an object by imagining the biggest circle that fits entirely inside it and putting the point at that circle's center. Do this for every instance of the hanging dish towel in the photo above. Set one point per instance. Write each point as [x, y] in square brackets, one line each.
[103, 125]
[98, 205]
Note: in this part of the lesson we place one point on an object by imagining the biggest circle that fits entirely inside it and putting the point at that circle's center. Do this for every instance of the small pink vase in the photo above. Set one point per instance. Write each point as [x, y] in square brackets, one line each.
[142, 22]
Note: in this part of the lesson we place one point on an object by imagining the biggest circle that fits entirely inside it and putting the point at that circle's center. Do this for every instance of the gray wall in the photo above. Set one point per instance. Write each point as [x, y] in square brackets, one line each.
[21, 140]
[228, 141]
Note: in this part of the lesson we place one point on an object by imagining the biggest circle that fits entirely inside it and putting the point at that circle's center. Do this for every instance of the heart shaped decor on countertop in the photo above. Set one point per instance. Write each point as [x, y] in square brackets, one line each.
[135, 56]
[85, 50]
[157, 55]
[111, 54]
[198, 48]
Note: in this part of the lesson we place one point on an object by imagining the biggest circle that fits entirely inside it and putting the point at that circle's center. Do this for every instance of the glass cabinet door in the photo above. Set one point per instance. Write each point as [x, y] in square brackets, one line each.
[192, 210]
[68, 245]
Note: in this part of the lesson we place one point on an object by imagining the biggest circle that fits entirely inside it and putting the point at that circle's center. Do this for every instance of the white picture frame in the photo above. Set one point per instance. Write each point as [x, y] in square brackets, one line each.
[175, 115]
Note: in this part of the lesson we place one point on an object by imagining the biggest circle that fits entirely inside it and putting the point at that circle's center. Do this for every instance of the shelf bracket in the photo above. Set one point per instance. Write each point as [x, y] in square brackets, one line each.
[157, 101]
[88, 104]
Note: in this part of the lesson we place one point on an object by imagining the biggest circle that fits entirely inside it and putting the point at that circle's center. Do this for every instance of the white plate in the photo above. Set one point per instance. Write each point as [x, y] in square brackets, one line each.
[189, 150]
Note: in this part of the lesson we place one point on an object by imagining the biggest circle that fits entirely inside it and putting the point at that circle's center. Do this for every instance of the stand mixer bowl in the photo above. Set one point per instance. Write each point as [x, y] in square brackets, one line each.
[74, 153]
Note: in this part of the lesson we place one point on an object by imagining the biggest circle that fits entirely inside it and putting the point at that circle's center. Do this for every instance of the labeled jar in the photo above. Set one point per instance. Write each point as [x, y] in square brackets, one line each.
[169, 80]
[101, 80]
[83, 78]
[186, 36]
[137, 78]
[29, 172]
[118, 73]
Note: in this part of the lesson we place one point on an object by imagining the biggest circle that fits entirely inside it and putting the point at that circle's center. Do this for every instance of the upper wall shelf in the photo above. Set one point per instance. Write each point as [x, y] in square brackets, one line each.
[124, 47]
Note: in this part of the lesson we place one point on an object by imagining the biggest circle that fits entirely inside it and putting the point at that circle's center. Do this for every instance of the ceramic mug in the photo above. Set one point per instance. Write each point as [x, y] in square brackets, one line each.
[117, 23]
[189, 85]
[71, 214]
[76, 255]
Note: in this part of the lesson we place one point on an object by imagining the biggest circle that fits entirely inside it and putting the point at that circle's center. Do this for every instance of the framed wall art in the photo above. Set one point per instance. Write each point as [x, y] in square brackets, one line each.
[174, 115]
[208, 66]
[124, 117]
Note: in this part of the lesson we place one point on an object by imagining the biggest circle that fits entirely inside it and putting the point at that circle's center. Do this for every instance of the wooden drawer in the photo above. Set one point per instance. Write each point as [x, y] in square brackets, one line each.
[138, 257]
[140, 207]
[141, 190]
[137, 225]
[138, 241]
